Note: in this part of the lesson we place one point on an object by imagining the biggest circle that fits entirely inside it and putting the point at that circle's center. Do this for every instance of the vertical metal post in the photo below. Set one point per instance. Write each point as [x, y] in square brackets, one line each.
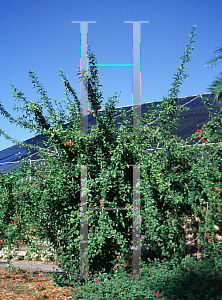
[136, 86]
[84, 268]
[136, 222]
[84, 72]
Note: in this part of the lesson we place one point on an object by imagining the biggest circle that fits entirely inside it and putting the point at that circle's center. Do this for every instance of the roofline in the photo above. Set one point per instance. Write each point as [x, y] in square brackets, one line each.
[104, 110]
[162, 100]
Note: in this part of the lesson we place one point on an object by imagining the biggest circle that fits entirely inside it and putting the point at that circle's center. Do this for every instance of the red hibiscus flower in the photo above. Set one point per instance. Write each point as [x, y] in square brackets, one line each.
[97, 107]
[204, 141]
[199, 131]
[157, 293]
[208, 237]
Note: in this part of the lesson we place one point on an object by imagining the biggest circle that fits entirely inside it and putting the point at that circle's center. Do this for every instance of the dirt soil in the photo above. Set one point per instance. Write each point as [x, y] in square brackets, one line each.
[30, 289]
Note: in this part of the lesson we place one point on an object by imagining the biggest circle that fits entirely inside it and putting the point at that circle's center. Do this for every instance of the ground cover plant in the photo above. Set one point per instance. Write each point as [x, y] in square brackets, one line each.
[191, 279]
[179, 186]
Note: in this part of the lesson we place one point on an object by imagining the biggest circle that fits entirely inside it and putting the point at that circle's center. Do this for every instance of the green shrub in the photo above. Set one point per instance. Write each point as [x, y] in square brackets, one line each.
[177, 182]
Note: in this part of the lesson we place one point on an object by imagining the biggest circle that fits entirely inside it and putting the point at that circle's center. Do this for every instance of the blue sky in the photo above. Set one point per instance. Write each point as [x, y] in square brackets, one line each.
[39, 36]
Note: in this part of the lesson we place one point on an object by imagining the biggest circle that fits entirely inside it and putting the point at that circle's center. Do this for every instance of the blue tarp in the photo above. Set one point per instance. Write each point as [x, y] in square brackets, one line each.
[191, 121]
